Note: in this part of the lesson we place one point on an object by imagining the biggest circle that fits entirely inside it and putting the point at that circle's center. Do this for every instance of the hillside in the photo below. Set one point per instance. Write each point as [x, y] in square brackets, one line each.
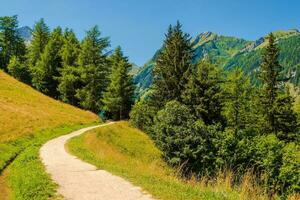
[27, 120]
[228, 52]
[25, 111]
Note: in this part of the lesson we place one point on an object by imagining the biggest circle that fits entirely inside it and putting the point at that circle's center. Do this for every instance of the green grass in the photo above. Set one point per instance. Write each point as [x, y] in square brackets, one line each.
[129, 153]
[28, 179]
[27, 120]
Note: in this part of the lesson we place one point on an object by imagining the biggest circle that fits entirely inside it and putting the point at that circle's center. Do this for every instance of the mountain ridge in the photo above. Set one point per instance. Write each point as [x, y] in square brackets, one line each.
[228, 52]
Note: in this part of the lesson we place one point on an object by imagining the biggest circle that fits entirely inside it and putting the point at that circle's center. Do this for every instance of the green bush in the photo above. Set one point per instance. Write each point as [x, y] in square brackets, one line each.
[142, 116]
[290, 170]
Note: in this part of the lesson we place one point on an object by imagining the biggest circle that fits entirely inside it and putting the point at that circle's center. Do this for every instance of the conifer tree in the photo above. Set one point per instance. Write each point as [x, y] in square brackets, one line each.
[69, 80]
[19, 70]
[46, 73]
[269, 74]
[203, 93]
[118, 98]
[11, 44]
[238, 92]
[94, 70]
[285, 117]
[173, 64]
[40, 37]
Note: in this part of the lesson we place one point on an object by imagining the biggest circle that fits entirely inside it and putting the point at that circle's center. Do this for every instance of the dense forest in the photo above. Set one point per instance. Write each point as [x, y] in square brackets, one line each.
[83, 73]
[204, 119]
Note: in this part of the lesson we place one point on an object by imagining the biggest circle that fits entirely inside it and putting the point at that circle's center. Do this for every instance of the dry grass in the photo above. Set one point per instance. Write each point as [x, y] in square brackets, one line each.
[129, 153]
[24, 111]
[27, 120]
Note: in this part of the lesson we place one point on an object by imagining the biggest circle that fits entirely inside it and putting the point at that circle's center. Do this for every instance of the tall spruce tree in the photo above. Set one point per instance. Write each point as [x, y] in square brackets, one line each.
[269, 75]
[40, 38]
[203, 93]
[46, 73]
[94, 70]
[11, 43]
[173, 64]
[118, 98]
[69, 80]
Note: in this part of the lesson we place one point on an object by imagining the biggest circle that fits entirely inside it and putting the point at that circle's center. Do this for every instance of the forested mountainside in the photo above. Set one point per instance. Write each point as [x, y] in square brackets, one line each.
[229, 52]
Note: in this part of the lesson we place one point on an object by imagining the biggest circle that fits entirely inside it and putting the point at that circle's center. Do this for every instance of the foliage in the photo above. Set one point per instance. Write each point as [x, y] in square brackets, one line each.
[203, 93]
[129, 153]
[11, 44]
[40, 38]
[46, 71]
[173, 64]
[69, 79]
[118, 97]
[19, 70]
[94, 70]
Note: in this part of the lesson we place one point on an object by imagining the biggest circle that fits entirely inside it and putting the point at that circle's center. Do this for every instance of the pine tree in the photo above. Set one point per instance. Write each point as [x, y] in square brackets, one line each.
[46, 73]
[94, 70]
[69, 80]
[11, 44]
[203, 93]
[173, 64]
[238, 92]
[19, 70]
[40, 38]
[119, 96]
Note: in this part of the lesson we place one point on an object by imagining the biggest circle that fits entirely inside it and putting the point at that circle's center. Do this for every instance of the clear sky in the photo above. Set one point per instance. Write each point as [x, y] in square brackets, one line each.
[139, 25]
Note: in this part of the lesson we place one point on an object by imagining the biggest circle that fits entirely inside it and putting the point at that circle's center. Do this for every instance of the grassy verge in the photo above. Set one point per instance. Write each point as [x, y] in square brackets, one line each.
[27, 178]
[129, 153]
[27, 120]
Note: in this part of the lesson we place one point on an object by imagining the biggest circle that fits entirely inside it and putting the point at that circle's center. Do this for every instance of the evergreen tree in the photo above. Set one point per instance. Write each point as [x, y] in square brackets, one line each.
[40, 38]
[94, 70]
[173, 64]
[119, 96]
[285, 117]
[11, 44]
[19, 70]
[270, 76]
[238, 92]
[69, 80]
[203, 93]
[46, 73]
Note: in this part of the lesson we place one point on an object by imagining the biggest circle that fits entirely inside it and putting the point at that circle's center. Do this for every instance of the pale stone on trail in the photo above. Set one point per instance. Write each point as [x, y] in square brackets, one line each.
[78, 180]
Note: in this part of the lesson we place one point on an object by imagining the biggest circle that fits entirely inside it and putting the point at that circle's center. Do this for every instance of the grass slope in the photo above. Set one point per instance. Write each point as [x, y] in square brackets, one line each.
[131, 154]
[27, 120]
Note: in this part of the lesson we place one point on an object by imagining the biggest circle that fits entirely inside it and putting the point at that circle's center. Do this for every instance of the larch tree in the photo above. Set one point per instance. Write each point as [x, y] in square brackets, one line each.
[11, 43]
[40, 38]
[118, 97]
[46, 73]
[94, 70]
[69, 80]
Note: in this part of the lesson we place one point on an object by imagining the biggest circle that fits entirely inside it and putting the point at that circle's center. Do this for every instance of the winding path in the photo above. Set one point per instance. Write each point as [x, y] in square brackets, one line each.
[78, 180]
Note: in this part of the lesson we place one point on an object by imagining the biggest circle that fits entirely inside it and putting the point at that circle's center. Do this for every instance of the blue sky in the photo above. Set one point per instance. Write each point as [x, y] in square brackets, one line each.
[139, 25]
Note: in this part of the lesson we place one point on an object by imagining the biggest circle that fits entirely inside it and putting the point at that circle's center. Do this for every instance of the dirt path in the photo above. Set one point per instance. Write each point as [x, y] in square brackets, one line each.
[78, 180]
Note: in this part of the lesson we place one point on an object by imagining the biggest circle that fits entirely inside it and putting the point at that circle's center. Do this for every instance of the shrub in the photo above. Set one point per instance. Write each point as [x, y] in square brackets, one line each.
[142, 116]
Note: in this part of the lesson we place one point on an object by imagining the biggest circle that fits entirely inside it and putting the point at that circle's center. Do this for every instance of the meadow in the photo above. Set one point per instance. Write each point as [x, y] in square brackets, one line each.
[28, 119]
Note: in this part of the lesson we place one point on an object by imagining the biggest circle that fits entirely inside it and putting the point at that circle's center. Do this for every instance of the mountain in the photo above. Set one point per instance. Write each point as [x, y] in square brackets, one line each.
[229, 52]
[26, 33]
